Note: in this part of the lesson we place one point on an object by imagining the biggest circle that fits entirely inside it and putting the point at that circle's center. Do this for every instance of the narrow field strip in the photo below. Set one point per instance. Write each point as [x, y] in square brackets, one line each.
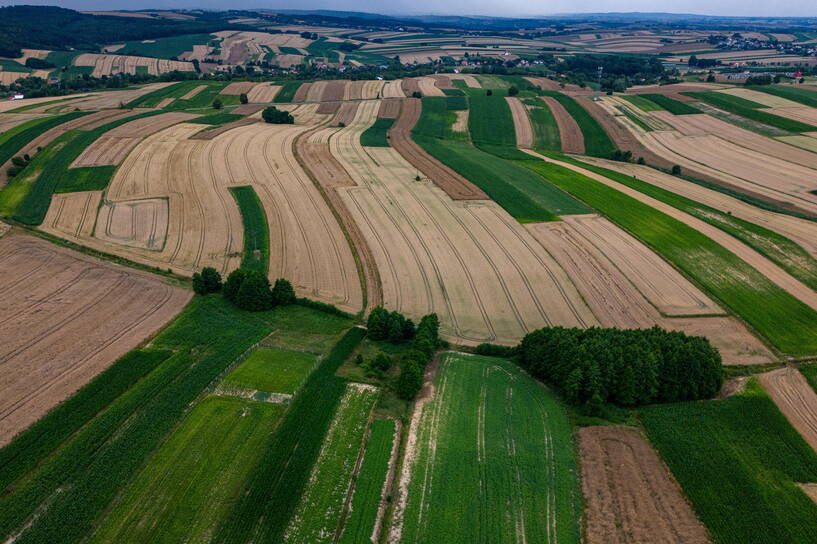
[492, 460]
[596, 141]
[319, 513]
[256, 230]
[793, 395]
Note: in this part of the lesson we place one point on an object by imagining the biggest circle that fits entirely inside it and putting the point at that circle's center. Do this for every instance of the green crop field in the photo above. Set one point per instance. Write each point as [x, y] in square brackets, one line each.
[641, 102]
[272, 370]
[738, 461]
[810, 372]
[783, 251]
[490, 121]
[494, 460]
[795, 94]
[783, 320]
[287, 92]
[194, 477]
[596, 141]
[545, 130]
[750, 110]
[675, 107]
[14, 139]
[256, 230]
[369, 483]
[165, 48]
[320, 510]
[152, 99]
[436, 119]
[104, 455]
[377, 134]
[216, 118]
[324, 48]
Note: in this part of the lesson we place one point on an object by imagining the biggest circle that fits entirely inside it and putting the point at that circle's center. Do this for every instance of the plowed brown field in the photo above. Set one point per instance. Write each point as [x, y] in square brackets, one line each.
[471, 263]
[64, 318]
[569, 131]
[630, 495]
[795, 398]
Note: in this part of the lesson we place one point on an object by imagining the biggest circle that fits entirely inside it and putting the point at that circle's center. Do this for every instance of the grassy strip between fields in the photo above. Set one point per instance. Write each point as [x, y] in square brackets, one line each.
[596, 141]
[377, 134]
[675, 107]
[738, 461]
[80, 480]
[644, 104]
[746, 108]
[369, 483]
[256, 230]
[795, 94]
[545, 130]
[784, 252]
[28, 195]
[320, 509]
[786, 322]
[287, 92]
[276, 483]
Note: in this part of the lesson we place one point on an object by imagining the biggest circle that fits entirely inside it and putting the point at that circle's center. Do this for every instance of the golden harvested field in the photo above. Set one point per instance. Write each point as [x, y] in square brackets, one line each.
[64, 318]
[190, 177]
[114, 146]
[263, 92]
[315, 92]
[766, 99]
[363, 90]
[6, 105]
[794, 396]
[393, 89]
[521, 122]
[630, 495]
[801, 231]
[105, 65]
[238, 87]
[703, 125]
[616, 285]
[240, 47]
[470, 262]
[428, 86]
[809, 143]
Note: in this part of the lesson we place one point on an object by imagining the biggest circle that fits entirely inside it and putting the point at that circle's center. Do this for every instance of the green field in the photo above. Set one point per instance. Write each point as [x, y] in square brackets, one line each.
[203, 99]
[369, 483]
[795, 94]
[319, 512]
[738, 461]
[596, 141]
[324, 48]
[545, 130]
[216, 118]
[194, 477]
[750, 110]
[783, 320]
[104, 455]
[287, 92]
[165, 48]
[14, 139]
[675, 107]
[272, 370]
[810, 372]
[377, 134]
[436, 119]
[783, 251]
[152, 99]
[256, 230]
[490, 121]
[495, 460]
[9, 65]
[642, 103]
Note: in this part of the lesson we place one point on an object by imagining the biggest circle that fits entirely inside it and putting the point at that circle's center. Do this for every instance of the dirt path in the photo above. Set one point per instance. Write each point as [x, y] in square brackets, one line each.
[569, 131]
[795, 398]
[521, 122]
[774, 273]
[454, 185]
[630, 495]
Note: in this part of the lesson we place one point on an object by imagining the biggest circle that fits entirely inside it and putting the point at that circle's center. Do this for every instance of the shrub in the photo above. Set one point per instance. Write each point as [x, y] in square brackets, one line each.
[417, 94]
[676, 170]
[495, 350]
[243, 98]
[277, 117]
[233, 284]
[209, 281]
[282, 293]
[410, 380]
[489, 92]
[513, 90]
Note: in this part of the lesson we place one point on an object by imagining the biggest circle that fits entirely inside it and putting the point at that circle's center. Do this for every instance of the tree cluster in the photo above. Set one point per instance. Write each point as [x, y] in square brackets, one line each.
[248, 289]
[765, 79]
[206, 282]
[277, 117]
[595, 366]
[393, 327]
[425, 342]
[377, 366]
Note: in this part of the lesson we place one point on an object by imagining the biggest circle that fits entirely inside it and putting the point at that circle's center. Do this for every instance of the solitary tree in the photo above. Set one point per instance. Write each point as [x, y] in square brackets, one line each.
[676, 170]
[513, 90]
[243, 98]
[212, 279]
[282, 293]
[489, 92]
[217, 104]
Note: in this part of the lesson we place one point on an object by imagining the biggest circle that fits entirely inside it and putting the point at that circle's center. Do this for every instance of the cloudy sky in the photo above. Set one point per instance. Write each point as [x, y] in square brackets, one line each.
[781, 8]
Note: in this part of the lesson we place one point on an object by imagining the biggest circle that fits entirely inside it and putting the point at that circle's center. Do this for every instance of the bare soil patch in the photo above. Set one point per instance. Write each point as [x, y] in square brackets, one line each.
[795, 398]
[329, 107]
[64, 318]
[569, 131]
[454, 185]
[301, 93]
[335, 90]
[629, 493]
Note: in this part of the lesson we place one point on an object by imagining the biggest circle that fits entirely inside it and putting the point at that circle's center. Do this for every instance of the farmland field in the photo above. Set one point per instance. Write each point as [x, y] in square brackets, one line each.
[490, 459]
[272, 370]
[256, 229]
[596, 140]
[739, 461]
[751, 110]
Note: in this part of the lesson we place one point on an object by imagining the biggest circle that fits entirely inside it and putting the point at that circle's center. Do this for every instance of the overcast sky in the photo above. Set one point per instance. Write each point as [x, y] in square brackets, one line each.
[780, 8]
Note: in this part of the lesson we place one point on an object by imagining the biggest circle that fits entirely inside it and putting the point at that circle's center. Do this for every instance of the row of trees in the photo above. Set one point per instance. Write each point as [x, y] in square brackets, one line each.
[248, 289]
[595, 366]
[423, 345]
